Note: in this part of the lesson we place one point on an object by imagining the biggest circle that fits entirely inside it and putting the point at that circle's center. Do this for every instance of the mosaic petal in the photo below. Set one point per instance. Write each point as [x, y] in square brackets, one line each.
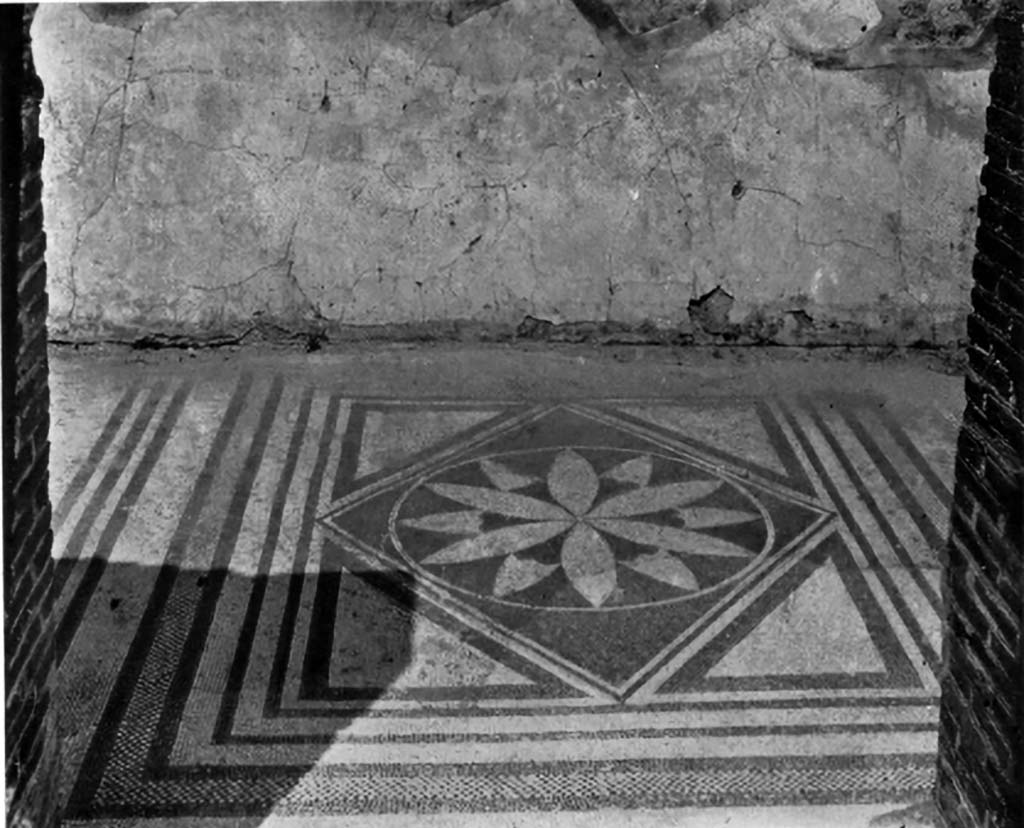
[503, 477]
[572, 481]
[704, 518]
[589, 563]
[499, 542]
[669, 537]
[636, 471]
[665, 567]
[450, 523]
[517, 574]
[654, 499]
[500, 503]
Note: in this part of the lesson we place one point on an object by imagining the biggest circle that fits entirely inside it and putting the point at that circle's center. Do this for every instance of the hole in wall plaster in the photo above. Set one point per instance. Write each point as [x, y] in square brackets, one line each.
[711, 311]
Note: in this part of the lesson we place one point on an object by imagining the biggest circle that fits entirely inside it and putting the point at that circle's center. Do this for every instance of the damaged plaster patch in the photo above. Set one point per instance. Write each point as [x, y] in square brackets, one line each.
[130, 15]
[455, 12]
[957, 34]
[710, 312]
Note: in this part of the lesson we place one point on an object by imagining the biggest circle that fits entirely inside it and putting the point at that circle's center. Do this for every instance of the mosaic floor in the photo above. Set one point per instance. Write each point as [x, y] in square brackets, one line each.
[278, 597]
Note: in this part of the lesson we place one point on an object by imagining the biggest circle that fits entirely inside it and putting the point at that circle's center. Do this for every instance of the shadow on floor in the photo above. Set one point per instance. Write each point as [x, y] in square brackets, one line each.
[192, 694]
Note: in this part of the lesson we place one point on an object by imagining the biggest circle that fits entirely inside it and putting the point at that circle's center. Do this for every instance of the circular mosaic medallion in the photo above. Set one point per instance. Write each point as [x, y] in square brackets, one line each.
[580, 527]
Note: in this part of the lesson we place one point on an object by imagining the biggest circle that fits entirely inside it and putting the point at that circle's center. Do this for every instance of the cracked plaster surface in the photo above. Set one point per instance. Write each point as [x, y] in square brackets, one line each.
[369, 164]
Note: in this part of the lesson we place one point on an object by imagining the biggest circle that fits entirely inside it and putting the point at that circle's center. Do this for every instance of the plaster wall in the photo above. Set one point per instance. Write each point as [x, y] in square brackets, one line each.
[213, 167]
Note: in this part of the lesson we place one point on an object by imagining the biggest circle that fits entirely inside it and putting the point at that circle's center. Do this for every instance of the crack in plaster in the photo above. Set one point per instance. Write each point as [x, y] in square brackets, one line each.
[191, 142]
[129, 75]
[120, 89]
[585, 135]
[286, 261]
[290, 274]
[765, 60]
[844, 241]
[688, 234]
[897, 219]
[75, 246]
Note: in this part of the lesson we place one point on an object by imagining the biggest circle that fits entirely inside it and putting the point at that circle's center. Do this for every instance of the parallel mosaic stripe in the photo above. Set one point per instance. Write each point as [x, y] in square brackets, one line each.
[116, 520]
[87, 468]
[858, 498]
[116, 707]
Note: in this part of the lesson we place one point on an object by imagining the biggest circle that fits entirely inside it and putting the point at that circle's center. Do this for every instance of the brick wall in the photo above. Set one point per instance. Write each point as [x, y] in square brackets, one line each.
[981, 754]
[32, 751]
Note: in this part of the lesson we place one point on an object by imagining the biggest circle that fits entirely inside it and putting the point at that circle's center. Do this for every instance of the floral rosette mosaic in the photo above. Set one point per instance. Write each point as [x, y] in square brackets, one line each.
[585, 528]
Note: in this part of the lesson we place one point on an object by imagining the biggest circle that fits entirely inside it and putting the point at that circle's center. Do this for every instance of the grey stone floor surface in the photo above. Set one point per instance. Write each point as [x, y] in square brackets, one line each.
[501, 585]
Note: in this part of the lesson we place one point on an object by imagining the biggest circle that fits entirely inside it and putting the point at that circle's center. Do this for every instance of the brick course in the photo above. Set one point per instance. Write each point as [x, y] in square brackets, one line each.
[32, 750]
[981, 740]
